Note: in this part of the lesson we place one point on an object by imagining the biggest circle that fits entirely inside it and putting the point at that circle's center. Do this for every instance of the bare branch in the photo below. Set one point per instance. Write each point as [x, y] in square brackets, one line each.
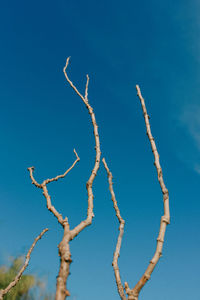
[31, 170]
[90, 214]
[3, 292]
[70, 82]
[63, 175]
[86, 88]
[64, 250]
[165, 220]
[50, 207]
[42, 186]
[121, 232]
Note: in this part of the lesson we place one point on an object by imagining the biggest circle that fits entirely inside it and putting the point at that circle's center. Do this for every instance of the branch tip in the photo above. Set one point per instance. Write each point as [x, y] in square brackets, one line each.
[66, 64]
[31, 168]
[86, 88]
[78, 158]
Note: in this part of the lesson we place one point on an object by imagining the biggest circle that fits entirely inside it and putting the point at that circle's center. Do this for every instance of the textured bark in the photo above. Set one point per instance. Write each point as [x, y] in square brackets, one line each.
[69, 234]
[132, 297]
[65, 261]
[3, 292]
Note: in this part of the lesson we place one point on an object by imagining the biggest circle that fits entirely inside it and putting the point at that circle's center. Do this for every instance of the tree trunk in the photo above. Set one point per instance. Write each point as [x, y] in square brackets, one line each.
[65, 261]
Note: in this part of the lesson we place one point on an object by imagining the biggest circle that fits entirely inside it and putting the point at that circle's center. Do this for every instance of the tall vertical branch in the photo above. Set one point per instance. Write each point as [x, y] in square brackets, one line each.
[133, 294]
[64, 250]
[90, 214]
[13, 283]
[165, 219]
[120, 236]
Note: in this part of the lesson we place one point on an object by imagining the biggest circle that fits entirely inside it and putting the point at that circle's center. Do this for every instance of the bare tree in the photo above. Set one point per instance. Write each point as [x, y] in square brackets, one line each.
[69, 234]
[13, 283]
[133, 294]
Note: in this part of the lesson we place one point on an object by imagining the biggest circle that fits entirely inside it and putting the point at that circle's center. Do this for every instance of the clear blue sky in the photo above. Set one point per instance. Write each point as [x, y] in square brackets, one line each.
[119, 44]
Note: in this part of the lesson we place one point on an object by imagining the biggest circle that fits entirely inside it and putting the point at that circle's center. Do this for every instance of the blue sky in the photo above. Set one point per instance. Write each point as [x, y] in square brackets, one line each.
[119, 44]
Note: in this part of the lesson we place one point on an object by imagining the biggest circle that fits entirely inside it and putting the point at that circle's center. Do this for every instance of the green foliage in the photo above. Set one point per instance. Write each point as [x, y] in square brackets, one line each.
[28, 286]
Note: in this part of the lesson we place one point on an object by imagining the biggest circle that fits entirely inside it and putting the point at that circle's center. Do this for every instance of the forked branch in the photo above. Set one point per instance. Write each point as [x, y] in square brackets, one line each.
[165, 219]
[3, 292]
[69, 234]
[43, 186]
[90, 214]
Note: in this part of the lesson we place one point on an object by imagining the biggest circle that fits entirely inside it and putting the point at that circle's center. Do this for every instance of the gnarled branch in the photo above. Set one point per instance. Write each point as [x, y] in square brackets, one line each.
[3, 292]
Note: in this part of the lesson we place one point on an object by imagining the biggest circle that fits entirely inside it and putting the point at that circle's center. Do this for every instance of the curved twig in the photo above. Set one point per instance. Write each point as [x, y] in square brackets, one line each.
[45, 191]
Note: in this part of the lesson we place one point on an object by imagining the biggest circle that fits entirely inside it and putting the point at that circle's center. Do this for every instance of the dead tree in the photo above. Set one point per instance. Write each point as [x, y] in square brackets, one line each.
[69, 234]
[125, 292]
[3, 292]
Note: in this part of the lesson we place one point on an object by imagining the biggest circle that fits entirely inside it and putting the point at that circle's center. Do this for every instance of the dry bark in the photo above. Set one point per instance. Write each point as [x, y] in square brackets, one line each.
[133, 294]
[69, 234]
[3, 292]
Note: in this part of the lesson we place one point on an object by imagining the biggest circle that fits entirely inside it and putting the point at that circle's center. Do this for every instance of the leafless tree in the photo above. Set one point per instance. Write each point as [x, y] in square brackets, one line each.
[69, 234]
[133, 294]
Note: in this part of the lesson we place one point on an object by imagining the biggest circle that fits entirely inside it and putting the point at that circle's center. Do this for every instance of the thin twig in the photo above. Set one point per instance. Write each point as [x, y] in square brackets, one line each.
[46, 181]
[3, 292]
[63, 175]
[86, 88]
[121, 232]
[70, 82]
